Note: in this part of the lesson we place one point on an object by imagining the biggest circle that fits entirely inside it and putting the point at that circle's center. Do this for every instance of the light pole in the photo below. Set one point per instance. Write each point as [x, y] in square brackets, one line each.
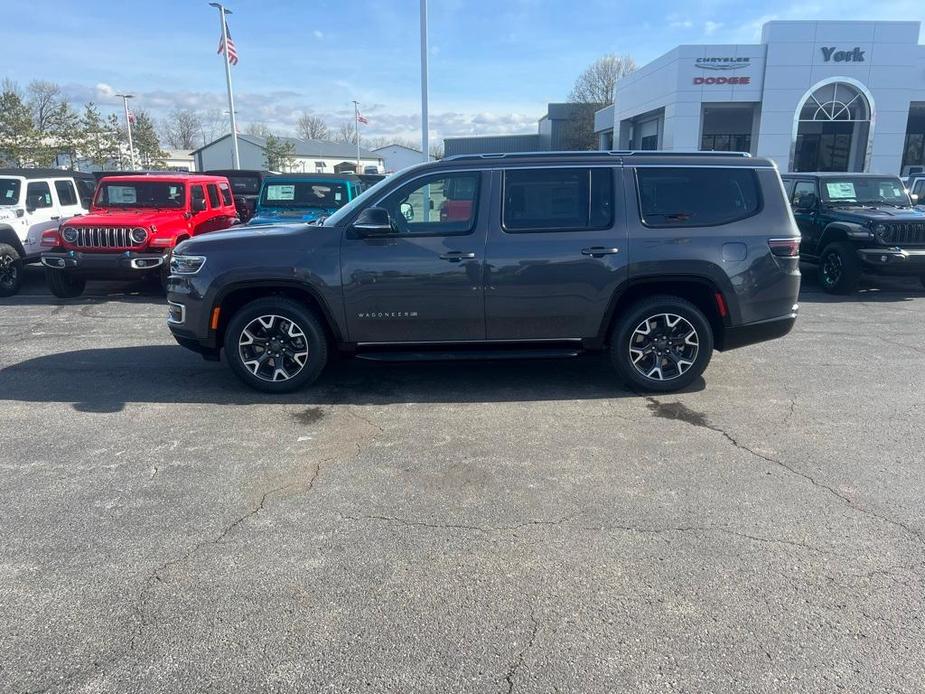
[234, 127]
[128, 126]
[425, 146]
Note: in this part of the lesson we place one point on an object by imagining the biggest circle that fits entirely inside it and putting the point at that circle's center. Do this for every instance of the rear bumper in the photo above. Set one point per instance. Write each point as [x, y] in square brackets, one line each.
[125, 264]
[761, 331]
[893, 261]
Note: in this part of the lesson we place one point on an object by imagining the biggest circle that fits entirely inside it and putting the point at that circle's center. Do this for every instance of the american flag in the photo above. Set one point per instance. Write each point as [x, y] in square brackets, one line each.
[232, 51]
[362, 119]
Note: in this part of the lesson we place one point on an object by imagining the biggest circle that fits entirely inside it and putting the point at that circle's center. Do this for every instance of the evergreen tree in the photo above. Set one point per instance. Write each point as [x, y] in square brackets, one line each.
[65, 130]
[279, 153]
[147, 144]
[18, 138]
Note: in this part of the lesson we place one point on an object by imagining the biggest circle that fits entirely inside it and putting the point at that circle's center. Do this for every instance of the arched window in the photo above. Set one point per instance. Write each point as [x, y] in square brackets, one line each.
[836, 101]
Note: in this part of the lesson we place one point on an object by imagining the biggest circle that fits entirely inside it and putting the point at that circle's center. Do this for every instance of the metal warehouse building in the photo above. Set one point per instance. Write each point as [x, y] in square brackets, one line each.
[813, 96]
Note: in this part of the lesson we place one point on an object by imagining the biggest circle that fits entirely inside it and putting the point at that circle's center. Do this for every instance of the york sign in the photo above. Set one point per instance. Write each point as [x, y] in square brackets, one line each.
[831, 55]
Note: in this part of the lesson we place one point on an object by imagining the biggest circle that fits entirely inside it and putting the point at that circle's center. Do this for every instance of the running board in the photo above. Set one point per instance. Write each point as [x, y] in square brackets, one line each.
[471, 355]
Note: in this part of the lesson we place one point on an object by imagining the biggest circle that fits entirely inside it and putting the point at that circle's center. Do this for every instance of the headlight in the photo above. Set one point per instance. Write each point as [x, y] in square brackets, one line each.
[138, 235]
[186, 264]
[69, 234]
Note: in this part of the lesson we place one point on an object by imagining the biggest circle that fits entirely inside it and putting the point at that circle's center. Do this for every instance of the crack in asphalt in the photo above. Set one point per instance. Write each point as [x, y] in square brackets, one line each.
[681, 412]
[518, 663]
[455, 526]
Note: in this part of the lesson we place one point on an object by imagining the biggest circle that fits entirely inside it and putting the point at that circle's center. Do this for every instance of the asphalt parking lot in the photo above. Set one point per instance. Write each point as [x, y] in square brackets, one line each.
[528, 526]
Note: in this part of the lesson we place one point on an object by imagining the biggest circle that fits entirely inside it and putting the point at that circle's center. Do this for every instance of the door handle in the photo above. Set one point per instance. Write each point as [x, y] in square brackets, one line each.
[456, 256]
[55, 219]
[599, 251]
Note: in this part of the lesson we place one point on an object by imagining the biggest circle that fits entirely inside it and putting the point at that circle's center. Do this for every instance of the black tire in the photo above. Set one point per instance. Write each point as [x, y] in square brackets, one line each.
[672, 355]
[839, 268]
[64, 284]
[294, 327]
[10, 270]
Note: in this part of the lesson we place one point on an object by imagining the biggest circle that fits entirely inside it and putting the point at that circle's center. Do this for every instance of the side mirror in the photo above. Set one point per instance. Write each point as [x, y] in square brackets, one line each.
[373, 221]
[198, 205]
[806, 202]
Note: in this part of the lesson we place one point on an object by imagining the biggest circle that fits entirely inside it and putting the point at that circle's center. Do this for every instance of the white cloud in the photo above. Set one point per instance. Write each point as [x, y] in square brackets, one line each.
[317, 33]
[710, 28]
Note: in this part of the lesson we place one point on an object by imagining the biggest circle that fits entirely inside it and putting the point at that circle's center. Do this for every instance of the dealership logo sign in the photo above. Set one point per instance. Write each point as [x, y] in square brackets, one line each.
[740, 80]
[722, 63]
[831, 55]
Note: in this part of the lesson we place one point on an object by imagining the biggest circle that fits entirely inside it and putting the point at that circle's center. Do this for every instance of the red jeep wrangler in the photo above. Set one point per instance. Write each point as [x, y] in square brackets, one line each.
[132, 227]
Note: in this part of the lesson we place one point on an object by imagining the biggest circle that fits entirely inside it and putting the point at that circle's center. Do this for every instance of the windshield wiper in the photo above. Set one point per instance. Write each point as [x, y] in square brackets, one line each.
[882, 202]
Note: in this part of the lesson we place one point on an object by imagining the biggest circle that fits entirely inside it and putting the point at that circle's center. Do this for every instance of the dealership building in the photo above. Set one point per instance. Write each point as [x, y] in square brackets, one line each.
[812, 96]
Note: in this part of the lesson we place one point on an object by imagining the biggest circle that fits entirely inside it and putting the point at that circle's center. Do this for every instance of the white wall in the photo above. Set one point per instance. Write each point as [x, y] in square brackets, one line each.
[218, 155]
[396, 158]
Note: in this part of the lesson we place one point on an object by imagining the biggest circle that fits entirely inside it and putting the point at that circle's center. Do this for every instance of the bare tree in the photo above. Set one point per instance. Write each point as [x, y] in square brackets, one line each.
[596, 84]
[311, 127]
[436, 152]
[347, 132]
[259, 129]
[182, 128]
[212, 125]
[43, 100]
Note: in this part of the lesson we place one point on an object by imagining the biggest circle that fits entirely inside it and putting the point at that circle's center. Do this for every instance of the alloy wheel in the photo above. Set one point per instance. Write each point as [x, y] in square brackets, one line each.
[664, 346]
[273, 348]
[9, 272]
[831, 269]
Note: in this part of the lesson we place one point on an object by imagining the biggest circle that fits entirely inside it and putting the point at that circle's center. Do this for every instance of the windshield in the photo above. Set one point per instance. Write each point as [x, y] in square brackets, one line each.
[244, 185]
[9, 191]
[887, 190]
[346, 210]
[303, 194]
[156, 194]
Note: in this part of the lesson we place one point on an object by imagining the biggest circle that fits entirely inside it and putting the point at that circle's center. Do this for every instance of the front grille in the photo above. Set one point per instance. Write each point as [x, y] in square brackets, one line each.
[104, 237]
[904, 234]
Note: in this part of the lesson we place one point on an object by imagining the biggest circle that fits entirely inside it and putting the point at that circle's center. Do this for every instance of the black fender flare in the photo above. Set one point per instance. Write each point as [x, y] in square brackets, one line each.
[8, 236]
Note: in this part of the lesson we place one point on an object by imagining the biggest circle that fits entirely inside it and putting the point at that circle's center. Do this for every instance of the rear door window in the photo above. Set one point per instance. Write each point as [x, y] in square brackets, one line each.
[696, 197]
[567, 199]
[38, 195]
[214, 200]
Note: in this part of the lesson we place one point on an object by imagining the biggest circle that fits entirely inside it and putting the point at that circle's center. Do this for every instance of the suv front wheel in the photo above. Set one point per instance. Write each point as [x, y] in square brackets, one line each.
[661, 344]
[276, 345]
[10, 270]
[63, 284]
[839, 268]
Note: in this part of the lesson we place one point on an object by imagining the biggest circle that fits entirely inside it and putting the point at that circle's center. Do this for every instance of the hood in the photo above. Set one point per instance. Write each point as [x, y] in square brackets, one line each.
[130, 217]
[885, 213]
[284, 215]
[242, 236]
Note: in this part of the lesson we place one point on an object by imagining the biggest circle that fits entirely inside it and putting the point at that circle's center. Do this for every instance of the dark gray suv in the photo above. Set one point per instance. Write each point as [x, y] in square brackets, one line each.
[657, 257]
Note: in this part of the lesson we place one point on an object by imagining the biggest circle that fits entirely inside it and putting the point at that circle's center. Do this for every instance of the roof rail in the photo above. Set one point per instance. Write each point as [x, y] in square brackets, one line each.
[596, 153]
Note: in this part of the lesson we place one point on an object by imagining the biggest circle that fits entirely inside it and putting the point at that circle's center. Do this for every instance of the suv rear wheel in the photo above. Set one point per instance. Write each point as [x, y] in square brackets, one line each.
[63, 284]
[10, 270]
[839, 268]
[661, 344]
[276, 345]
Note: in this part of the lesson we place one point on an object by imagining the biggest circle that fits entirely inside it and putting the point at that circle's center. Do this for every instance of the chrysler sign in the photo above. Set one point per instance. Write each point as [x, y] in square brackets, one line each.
[722, 63]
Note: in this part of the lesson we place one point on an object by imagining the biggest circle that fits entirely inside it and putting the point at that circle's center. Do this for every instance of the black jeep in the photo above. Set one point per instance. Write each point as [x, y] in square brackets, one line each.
[658, 258]
[851, 223]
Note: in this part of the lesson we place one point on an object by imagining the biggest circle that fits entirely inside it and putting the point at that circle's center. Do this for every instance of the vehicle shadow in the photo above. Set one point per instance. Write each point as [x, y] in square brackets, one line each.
[34, 292]
[104, 380]
[873, 288]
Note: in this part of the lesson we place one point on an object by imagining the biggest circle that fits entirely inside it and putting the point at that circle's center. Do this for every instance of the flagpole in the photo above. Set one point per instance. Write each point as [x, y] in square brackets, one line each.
[128, 127]
[356, 129]
[425, 146]
[236, 163]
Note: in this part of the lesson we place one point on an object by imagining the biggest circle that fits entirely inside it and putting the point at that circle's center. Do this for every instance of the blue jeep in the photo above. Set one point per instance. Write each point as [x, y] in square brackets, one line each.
[304, 197]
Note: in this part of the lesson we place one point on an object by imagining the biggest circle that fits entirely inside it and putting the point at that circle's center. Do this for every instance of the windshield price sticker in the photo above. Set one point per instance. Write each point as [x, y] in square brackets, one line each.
[122, 195]
[841, 190]
[281, 192]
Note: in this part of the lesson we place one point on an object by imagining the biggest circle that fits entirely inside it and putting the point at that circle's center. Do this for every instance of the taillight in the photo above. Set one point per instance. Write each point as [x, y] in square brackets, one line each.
[785, 248]
[51, 238]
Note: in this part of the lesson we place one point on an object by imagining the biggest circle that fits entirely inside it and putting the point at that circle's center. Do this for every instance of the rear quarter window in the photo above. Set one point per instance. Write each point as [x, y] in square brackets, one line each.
[695, 197]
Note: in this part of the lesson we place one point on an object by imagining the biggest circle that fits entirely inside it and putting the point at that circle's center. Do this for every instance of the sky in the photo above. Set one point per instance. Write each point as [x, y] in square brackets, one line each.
[494, 64]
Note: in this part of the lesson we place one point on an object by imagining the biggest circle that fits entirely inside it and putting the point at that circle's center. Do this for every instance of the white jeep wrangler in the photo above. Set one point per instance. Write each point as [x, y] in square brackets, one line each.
[33, 201]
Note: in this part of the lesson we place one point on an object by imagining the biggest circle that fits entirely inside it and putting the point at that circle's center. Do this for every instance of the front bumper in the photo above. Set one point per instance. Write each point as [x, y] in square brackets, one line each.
[894, 261]
[124, 264]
